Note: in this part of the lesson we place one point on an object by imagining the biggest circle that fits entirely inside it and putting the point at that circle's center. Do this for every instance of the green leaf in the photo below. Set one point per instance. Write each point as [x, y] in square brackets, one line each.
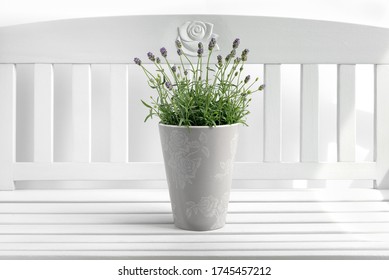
[150, 116]
[147, 105]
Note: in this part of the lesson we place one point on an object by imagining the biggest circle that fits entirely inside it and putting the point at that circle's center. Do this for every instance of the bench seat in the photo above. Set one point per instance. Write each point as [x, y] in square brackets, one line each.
[138, 224]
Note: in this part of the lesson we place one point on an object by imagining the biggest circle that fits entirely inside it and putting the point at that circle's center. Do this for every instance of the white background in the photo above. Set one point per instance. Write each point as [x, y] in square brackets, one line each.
[371, 12]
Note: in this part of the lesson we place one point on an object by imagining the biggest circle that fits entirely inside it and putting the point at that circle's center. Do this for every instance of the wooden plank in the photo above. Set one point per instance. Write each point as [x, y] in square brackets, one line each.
[346, 113]
[381, 125]
[309, 142]
[161, 195]
[272, 111]
[7, 125]
[43, 112]
[278, 254]
[197, 237]
[156, 207]
[81, 97]
[86, 208]
[106, 40]
[156, 171]
[119, 113]
[162, 218]
[196, 247]
[164, 207]
[156, 229]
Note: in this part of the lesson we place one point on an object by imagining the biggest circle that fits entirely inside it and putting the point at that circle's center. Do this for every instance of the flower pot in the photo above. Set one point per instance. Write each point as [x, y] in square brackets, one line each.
[198, 164]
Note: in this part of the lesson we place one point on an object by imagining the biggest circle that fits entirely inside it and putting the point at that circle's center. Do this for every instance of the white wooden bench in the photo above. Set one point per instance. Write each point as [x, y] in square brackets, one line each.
[45, 218]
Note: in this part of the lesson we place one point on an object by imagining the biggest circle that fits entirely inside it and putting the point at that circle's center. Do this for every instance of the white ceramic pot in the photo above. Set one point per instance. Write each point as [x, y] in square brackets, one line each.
[198, 164]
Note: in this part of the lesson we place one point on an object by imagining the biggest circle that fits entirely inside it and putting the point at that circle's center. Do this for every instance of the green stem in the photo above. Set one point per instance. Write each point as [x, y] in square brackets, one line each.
[209, 56]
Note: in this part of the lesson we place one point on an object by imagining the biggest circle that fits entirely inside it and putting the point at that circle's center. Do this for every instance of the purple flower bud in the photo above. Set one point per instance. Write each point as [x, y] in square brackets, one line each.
[158, 60]
[168, 85]
[151, 56]
[200, 45]
[163, 52]
[233, 53]
[236, 43]
[245, 51]
[137, 61]
[228, 57]
[212, 44]
[174, 69]
[244, 54]
[237, 60]
[247, 79]
[180, 52]
[178, 44]
[200, 52]
[219, 60]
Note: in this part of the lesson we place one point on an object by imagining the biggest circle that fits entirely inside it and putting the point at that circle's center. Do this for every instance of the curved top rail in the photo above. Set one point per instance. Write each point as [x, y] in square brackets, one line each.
[119, 39]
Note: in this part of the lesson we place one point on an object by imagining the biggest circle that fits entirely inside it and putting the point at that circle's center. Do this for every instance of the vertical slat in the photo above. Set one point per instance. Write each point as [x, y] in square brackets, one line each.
[81, 95]
[346, 113]
[119, 113]
[272, 110]
[382, 125]
[43, 113]
[309, 142]
[7, 125]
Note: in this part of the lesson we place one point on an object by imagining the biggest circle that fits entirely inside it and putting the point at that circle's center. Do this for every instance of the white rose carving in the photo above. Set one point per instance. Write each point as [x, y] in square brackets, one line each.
[193, 32]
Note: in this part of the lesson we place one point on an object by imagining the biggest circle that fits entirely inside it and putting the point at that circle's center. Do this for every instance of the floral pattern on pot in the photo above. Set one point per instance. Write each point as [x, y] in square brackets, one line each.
[193, 32]
[226, 166]
[185, 157]
[209, 207]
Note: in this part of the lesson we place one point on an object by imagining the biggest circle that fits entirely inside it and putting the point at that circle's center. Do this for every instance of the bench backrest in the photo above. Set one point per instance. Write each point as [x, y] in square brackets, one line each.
[85, 48]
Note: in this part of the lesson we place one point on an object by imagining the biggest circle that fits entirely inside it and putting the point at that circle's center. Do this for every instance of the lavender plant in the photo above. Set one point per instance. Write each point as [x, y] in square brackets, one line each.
[189, 95]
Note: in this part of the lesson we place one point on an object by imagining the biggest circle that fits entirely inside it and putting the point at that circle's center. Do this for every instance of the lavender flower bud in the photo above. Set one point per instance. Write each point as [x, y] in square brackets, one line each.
[200, 45]
[151, 56]
[200, 52]
[185, 72]
[163, 52]
[168, 85]
[179, 52]
[212, 44]
[247, 79]
[237, 60]
[137, 61]
[233, 53]
[178, 44]
[174, 69]
[228, 57]
[219, 60]
[236, 43]
[244, 54]
[158, 60]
